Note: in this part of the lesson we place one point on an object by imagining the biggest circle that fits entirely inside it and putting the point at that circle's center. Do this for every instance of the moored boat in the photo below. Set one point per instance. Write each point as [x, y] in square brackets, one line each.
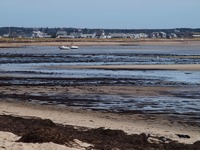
[74, 47]
[64, 47]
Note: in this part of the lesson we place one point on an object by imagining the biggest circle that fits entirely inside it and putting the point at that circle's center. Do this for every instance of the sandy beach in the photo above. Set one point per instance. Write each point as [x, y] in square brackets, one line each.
[29, 113]
[94, 42]
[155, 125]
[99, 75]
[186, 67]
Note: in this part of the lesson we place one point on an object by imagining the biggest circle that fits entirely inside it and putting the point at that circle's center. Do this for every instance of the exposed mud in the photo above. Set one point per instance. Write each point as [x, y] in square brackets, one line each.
[25, 76]
[124, 58]
[95, 81]
[31, 67]
[161, 100]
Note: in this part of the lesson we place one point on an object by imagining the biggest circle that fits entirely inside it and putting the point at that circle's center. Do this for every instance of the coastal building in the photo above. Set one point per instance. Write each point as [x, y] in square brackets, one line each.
[173, 35]
[196, 35]
[129, 35]
[37, 34]
[6, 35]
[140, 35]
[154, 35]
[108, 36]
[90, 35]
[103, 37]
[60, 34]
[158, 35]
[100, 34]
[118, 35]
[63, 34]
[162, 34]
[77, 35]
[45, 35]
[13, 35]
[184, 35]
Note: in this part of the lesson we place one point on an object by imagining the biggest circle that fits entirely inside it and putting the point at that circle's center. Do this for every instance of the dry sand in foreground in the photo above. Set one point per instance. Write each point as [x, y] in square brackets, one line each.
[155, 125]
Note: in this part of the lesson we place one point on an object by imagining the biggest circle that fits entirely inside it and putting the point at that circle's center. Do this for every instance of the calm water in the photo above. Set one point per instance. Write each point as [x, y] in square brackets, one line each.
[32, 66]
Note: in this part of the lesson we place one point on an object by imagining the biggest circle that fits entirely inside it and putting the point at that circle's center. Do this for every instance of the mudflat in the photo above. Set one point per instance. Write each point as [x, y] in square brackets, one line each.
[153, 130]
[73, 101]
[191, 67]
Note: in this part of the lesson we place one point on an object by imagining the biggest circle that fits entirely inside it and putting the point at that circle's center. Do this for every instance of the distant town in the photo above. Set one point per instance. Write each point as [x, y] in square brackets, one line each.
[70, 33]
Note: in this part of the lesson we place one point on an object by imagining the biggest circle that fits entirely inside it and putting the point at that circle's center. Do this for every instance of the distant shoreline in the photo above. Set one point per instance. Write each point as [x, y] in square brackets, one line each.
[16, 43]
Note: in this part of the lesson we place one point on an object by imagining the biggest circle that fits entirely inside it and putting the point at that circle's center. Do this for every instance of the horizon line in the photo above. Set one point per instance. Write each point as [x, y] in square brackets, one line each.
[106, 28]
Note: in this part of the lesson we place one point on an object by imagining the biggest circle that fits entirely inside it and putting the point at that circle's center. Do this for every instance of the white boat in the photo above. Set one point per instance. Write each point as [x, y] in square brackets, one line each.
[64, 47]
[74, 47]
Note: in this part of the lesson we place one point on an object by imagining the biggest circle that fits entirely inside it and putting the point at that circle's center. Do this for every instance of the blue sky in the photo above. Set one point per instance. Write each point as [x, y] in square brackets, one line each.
[129, 14]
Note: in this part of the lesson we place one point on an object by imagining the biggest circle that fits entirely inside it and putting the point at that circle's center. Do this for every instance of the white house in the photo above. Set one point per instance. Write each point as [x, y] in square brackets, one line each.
[117, 35]
[173, 35]
[90, 35]
[37, 34]
[143, 35]
[78, 35]
[196, 35]
[129, 35]
[63, 34]
[6, 35]
[162, 34]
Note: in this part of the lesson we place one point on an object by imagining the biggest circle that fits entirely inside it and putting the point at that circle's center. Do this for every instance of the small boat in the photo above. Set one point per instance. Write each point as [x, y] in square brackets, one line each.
[64, 47]
[74, 47]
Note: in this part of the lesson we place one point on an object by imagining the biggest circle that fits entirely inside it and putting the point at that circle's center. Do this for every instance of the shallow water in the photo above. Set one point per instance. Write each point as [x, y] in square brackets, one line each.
[103, 55]
[42, 70]
[32, 66]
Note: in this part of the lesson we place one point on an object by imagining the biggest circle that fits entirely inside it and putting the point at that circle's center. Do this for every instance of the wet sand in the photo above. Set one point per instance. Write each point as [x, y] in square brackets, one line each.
[185, 67]
[156, 125]
[158, 128]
